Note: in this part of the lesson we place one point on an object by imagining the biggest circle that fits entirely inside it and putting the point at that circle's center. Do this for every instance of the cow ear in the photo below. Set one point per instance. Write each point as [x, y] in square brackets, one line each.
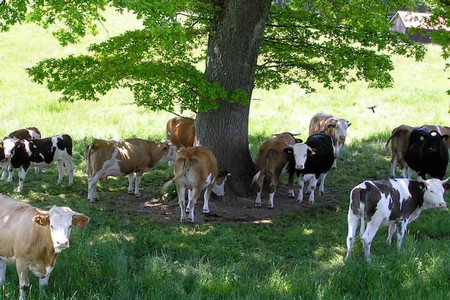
[42, 220]
[446, 184]
[80, 220]
[444, 137]
[311, 151]
[289, 150]
[348, 123]
[298, 141]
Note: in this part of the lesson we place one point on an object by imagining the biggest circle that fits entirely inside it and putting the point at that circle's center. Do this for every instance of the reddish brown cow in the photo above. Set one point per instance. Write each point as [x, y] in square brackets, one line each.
[273, 161]
[181, 131]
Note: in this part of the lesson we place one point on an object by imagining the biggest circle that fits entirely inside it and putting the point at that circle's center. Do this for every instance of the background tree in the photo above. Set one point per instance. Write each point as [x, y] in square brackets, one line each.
[245, 43]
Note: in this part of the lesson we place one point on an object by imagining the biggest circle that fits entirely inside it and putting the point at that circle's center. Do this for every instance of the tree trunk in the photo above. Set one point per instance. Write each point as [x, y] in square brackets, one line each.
[233, 49]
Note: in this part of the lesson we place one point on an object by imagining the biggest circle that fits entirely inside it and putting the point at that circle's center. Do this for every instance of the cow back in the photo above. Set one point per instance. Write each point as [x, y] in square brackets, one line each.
[181, 131]
[323, 158]
[276, 145]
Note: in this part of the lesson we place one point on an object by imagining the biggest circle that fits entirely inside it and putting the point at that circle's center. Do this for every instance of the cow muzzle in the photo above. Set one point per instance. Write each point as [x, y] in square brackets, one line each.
[443, 204]
[299, 167]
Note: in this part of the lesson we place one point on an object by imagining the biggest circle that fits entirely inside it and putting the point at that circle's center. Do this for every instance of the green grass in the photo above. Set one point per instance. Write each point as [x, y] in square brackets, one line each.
[129, 256]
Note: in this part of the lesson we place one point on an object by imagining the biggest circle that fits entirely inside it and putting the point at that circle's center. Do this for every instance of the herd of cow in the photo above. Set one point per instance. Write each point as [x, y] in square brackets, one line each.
[32, 238]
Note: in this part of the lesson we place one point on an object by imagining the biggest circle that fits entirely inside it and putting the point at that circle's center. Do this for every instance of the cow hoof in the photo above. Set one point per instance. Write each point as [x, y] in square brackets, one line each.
[130, 192]
[291, 196]
[92, 200]
[137, 195]
[299, 200]
[258, 205]
[270, 207]
[311, 202]
[182, 220]
[206, 211]
[190, 220]
[321, 193]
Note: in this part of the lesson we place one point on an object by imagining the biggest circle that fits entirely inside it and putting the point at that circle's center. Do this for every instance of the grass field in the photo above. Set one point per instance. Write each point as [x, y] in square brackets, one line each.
[129, 256]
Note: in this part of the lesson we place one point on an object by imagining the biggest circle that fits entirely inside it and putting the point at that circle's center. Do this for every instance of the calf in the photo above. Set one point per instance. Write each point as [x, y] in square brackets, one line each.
[399, 142]
[334, 127]
[181, 131]
[314, 157]
[196, 169]
[29, 133]
[32, 239]
[43, 153]
[273, 160]
[427, 153]
[394, 202]
[131, 157]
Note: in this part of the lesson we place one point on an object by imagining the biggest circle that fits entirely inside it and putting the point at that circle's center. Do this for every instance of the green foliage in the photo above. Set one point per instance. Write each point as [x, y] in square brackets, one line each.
[304, 42]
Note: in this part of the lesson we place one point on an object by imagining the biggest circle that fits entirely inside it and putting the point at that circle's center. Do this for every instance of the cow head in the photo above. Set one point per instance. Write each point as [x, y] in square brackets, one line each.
[434, 141]
[8, 147]
[170, 151]
[60, 221]
[337, 129]
[219, 186]
[301, 152]
[433, 195]
[2, 151]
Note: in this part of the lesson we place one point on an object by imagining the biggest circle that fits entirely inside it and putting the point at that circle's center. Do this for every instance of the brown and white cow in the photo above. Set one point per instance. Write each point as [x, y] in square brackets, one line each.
[272, 161]
[29, 133]
[131, 157]
[196, 169]
[399, 143]
[336, 128]
[32, 239]
[393, 202]
[181, 131]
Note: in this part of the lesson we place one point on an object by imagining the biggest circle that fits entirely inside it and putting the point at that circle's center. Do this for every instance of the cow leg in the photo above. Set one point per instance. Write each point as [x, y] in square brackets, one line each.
[369, 234]
[301, 184]
[206, 197]
[92, 188]
[311, 188]
[4, 166]
[392, 229]
[130, 183]
[259, 179]
[24, 281]
[323, 176]
[193, 199]
[401, 229]
[274, 179]
[2, 272]
[22, 174]
[37, 170]
[334, 163]
[69, 166]
[61, 170]
[137, 184]
[291, 185]
[189, 196]
[181, 191]
[10, 172]
[352, 221]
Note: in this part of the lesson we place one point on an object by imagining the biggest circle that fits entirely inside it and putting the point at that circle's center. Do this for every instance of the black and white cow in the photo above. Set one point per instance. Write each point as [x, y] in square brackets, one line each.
[393, 202]
[42, 153]
[315, 157]
[427, 153]
[8, 143]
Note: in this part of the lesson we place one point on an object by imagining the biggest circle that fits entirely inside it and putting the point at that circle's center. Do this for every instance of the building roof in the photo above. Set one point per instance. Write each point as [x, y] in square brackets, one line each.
[418, 20]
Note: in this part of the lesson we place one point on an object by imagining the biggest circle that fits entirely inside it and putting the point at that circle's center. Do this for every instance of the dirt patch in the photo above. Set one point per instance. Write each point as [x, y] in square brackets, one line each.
[221, 208]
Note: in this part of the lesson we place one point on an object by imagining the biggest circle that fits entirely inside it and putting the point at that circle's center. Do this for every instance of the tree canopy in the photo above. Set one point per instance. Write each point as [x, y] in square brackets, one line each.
[333, 42]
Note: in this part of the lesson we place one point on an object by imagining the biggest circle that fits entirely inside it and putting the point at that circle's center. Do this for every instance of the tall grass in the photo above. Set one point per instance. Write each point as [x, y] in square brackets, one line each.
[121, 255]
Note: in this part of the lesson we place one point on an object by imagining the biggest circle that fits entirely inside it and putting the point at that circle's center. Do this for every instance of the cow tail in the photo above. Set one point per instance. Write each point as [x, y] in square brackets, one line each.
[387, 143]
[88, 154]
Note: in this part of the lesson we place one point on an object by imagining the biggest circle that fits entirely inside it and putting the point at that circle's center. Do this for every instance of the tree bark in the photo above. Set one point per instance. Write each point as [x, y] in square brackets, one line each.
[233, 49]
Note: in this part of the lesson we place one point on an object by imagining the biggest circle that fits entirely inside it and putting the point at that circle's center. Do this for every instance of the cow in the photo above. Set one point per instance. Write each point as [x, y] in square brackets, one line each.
[315, 157]
[32, 239]
[399, 142]
[272, 162]
[129, 157]
[427, 153]
[393, 202]
[29, 133]
[181, 131]
[43, 153]
[196, 169]
[336, 128]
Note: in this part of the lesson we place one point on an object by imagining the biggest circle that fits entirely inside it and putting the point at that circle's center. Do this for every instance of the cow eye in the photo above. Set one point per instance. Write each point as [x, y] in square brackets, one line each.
[51, 226]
